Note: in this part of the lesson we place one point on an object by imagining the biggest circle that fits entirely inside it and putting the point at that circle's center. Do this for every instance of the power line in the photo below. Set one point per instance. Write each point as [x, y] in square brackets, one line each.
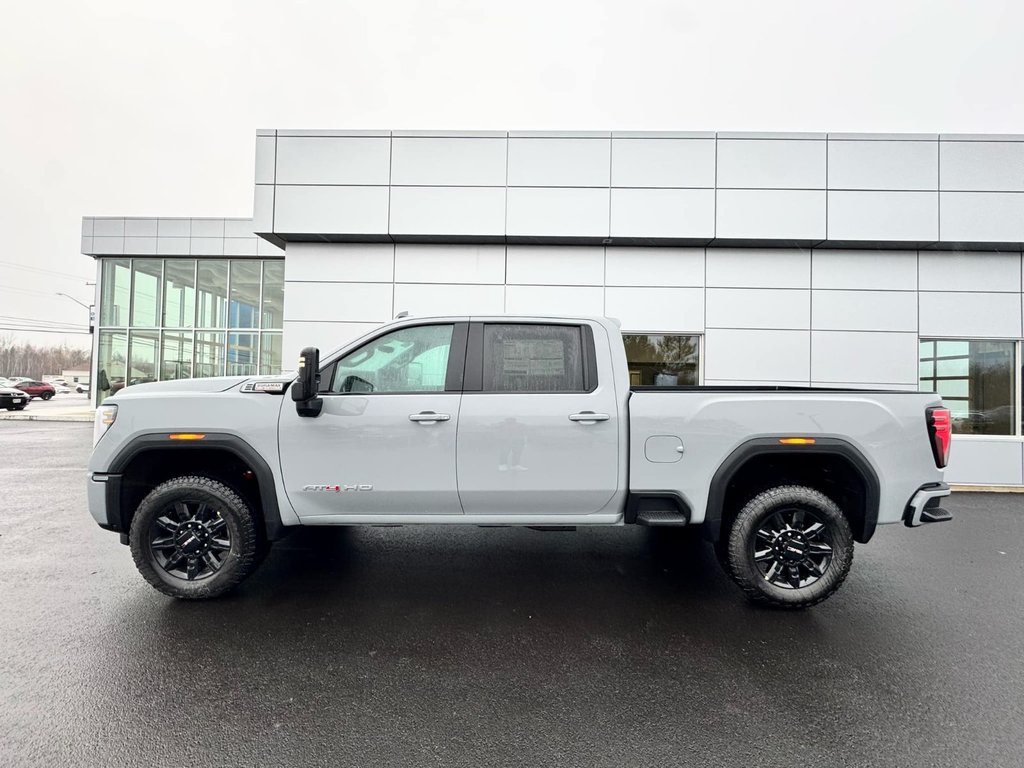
[40, 330]
[34, 322]
[14, 265]
[24, 290]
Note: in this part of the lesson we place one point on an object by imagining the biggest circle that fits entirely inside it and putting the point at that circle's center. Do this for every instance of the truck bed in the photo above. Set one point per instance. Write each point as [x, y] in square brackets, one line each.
[680, 436]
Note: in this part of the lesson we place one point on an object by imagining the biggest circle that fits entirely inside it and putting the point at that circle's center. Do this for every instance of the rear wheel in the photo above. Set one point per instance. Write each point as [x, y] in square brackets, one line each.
[194, 538]
[46, 395]
[789, 547]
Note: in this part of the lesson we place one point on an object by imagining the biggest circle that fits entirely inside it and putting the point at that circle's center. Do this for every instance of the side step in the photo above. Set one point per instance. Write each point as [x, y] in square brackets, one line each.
[935, 515]
[661, 517]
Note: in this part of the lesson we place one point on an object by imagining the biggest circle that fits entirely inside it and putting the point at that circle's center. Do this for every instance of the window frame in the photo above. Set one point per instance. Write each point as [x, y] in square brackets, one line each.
[1018, 388]
[474, 376]
[453, 375]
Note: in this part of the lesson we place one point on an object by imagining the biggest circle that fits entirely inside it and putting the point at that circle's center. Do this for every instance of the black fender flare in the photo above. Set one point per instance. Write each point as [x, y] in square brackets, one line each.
[152, 441]
[761, 446]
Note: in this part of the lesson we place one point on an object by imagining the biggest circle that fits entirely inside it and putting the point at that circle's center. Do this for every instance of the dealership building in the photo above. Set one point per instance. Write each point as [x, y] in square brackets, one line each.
[831, 260]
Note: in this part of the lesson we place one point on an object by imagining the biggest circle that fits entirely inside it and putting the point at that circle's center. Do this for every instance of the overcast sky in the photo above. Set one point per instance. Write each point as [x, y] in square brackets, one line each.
[150, 108]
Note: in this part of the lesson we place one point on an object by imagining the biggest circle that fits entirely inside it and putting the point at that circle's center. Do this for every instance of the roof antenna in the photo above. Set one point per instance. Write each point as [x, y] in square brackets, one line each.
[403, 313]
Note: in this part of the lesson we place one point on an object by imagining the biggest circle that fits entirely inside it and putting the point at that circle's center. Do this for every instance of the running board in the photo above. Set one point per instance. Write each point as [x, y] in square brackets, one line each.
[661, 517]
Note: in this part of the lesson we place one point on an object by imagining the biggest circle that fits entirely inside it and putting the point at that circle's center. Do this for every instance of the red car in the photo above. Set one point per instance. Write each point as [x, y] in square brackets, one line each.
[37, 389]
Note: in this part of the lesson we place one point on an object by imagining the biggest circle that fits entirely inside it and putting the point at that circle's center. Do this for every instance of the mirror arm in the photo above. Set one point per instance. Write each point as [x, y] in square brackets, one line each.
[310, 408]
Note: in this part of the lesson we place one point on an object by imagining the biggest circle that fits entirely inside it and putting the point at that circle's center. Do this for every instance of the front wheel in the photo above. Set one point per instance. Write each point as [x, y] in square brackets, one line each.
[194, 538]
[789, 547]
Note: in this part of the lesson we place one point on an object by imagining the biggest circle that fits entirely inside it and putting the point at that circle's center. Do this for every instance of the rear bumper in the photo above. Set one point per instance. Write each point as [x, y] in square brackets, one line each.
[925, 506]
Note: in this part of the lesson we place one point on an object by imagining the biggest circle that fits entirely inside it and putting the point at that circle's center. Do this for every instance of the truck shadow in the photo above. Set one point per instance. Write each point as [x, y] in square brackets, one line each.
[595, 581]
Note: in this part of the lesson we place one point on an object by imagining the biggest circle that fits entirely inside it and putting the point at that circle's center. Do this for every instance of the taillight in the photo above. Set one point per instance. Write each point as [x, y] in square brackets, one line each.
[940, 429]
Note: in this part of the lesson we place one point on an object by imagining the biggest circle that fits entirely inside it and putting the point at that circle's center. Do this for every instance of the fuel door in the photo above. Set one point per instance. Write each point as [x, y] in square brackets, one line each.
[663, 449]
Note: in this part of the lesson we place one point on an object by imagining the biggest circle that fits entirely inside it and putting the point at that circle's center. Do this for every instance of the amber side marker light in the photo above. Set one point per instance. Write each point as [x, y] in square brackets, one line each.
[186, 436]
[796, 440]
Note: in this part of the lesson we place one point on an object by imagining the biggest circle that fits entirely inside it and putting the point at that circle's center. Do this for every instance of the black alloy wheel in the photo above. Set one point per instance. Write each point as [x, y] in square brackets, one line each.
[190, 540]
[789, 547]
[194, 538]
[792, 548]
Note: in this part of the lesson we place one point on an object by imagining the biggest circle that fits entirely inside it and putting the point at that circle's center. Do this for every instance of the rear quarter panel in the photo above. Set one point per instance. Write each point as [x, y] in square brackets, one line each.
[888, 429]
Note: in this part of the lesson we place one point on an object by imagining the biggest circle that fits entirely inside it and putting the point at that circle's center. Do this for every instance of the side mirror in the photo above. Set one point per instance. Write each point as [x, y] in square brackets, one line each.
[353, 383]
[305, 390]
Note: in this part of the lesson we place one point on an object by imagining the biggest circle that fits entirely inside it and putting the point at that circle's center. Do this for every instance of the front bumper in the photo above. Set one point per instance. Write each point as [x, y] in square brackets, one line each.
[924, 506]
[104, 497]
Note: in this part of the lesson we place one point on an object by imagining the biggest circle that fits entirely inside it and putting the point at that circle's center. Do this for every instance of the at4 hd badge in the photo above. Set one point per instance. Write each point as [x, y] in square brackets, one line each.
[338, 488]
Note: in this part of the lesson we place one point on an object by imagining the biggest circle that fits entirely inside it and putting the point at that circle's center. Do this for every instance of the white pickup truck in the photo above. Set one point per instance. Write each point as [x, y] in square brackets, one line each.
[504, 420]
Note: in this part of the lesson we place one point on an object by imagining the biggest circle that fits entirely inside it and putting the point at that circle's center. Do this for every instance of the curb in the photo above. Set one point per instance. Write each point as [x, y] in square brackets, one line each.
[963, 488]
[71, 417]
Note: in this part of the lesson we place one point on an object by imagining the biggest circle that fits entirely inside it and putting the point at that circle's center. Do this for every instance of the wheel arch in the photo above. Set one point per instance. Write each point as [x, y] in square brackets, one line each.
[217, 455]
[829, 464]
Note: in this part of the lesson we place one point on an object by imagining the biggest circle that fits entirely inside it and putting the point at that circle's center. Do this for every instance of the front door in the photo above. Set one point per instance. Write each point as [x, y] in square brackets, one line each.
[538, 433]
[384, 442]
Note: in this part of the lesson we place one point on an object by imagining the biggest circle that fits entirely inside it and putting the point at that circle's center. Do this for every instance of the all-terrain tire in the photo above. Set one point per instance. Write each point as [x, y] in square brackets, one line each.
[239, 560]
[744, 539]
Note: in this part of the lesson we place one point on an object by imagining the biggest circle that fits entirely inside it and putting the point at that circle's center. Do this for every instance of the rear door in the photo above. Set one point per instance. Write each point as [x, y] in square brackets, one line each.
[538, 433]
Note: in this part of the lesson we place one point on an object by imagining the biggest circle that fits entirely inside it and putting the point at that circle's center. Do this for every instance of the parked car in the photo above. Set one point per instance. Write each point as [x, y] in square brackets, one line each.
[82, 388]
[38, 389]
[13, 399]
[61, 389]
[510, 421]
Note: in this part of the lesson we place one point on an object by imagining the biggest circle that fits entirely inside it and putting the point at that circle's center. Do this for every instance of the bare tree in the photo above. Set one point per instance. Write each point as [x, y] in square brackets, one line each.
[26, 359]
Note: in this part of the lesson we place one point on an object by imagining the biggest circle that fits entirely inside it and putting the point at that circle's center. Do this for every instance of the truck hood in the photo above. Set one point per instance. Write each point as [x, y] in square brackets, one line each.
[198, 386]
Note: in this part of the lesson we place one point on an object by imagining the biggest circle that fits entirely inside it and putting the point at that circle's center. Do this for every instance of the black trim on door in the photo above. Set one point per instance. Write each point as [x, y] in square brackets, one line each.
[457, 358]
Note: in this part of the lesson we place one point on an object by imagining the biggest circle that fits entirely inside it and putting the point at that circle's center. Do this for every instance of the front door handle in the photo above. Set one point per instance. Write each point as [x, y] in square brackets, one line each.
[428, 417]
[588, 417]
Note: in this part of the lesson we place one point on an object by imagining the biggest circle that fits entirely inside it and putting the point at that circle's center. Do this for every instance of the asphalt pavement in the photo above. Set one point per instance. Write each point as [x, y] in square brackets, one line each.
[498, 647]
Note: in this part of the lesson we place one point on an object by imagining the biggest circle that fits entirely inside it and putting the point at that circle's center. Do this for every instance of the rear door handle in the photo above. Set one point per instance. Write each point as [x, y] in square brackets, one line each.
[428, 417]
[588, 417]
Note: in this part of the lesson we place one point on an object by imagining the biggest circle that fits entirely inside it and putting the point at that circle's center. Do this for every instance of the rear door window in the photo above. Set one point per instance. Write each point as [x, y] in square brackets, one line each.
[533, 358]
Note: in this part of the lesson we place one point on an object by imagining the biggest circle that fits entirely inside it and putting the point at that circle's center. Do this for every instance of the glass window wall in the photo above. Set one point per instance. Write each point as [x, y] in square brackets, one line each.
[270, 353]
[209, 354]
[176, 356]
[149, 308]
[244, 309]
[211, 294]
[976, 380]
[111, 362]
[663, 360]
[179, 293]
[242, 350]
[273, 294]
[146, 278]
[116, 288]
